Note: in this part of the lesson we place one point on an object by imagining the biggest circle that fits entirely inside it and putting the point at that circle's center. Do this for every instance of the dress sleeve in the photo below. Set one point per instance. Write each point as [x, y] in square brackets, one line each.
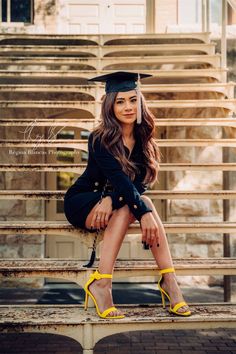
[125, 189]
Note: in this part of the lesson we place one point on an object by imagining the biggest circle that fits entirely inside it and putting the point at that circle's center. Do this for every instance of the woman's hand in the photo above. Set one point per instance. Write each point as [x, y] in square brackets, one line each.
[150, 230]
[102, 213]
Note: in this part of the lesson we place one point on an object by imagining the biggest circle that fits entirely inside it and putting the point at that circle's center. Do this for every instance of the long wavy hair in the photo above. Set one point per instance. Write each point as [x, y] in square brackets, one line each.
[109, 132]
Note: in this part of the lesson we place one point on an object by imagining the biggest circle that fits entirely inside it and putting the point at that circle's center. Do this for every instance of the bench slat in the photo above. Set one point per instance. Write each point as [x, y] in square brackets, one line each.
[153, 194]
[45, 315]
[79, 168]
[226, 88]
[74, 270]
[100, 39]
[218, 74]
[88, 124]
[61, 227]
[81, 144]
[215, 103]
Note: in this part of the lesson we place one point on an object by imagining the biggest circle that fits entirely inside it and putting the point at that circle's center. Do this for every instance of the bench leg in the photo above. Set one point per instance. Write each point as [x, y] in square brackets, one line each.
[88, 339]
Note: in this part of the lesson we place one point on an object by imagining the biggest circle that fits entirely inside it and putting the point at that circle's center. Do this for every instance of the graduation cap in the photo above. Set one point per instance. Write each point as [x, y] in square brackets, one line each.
[123, 81]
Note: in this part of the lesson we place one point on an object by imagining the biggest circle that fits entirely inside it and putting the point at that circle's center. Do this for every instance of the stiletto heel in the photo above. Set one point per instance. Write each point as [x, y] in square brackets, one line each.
[86, 302]
[105, 314]
[163, 300]
[164, 294]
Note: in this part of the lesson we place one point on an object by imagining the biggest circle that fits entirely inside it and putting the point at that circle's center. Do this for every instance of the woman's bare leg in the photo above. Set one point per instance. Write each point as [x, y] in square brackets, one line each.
[112, 240]
[164, 260]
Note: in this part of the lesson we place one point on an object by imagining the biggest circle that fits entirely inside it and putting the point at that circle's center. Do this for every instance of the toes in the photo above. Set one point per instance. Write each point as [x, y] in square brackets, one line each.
[115, 313]
[183, 309]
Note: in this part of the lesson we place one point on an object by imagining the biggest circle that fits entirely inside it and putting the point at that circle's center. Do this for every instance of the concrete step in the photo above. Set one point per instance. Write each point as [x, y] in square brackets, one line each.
[109, 50]
[153, 194]
[226, 88]
[74, 271]
[103, 63]
[91, 106]
[80, 167]
[64, 228]
[89, 124]
[102, 39]
[81, 144]
[87, 328]
[209, 74]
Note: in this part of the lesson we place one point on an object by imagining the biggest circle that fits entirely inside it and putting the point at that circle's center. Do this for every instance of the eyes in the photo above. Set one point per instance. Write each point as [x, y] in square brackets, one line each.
[121, 101]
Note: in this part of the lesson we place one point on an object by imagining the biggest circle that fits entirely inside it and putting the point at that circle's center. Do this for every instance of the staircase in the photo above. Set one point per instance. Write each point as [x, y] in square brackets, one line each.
[43, 84]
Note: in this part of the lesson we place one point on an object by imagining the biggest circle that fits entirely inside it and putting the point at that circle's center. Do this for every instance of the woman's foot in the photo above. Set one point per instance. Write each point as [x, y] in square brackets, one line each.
[170, 285]
[102, 291]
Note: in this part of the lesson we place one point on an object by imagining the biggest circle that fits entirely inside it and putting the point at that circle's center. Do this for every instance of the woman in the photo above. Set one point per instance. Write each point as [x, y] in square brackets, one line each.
[123, 160]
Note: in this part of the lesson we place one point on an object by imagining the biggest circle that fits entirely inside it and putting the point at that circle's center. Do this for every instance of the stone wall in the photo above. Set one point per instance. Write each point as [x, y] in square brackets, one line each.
[19, 246]
[44, 21]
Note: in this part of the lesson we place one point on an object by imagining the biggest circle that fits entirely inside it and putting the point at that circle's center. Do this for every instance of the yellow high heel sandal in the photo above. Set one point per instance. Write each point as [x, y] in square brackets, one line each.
[97, 276]
[175, 309]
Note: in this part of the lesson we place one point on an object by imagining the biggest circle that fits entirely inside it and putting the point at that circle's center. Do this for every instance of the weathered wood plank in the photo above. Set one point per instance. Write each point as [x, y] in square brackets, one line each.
[218, 74]
[79, 168]
[74, 322]
[88, 124]
[81, 144]
[153, 194]
[63, 227]
[103, 38]
[74, 270]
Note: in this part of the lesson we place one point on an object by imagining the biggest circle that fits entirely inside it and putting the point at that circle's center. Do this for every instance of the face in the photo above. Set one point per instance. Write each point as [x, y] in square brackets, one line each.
[125, 107]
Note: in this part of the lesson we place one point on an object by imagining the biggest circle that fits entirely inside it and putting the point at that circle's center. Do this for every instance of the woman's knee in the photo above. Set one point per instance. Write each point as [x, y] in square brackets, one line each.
[125, 213]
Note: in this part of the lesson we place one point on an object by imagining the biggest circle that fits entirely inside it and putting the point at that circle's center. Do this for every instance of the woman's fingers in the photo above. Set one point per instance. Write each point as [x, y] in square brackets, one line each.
[144, 234]
[100, 220]
[106, 220]
[93, 220]
[148, 237]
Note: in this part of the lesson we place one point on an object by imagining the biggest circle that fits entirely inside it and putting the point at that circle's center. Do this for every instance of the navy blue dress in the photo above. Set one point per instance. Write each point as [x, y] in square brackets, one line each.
[103, 169]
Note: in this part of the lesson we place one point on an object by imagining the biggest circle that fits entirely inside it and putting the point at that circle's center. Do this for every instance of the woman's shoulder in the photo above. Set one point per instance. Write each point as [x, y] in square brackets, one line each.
[94, 140]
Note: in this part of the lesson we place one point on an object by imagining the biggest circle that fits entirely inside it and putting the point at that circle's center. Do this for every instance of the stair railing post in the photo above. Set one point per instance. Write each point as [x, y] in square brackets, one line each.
[223, 35]
[208, 16]
[0, 11]
[203, 15]
[226, 216]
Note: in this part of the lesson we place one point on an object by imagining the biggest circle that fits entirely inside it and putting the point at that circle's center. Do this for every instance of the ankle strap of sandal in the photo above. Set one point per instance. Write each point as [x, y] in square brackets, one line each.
[97, 276]
[167, 270]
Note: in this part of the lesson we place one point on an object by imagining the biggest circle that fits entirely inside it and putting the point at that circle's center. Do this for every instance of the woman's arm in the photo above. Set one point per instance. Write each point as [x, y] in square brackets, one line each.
[124, 187]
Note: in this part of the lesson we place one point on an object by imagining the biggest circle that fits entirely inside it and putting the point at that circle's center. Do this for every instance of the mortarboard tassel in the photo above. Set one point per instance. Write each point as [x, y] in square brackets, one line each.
[139, 108]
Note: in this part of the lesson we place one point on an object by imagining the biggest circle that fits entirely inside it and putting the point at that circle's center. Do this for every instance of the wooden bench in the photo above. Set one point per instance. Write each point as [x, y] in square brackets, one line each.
[95, 50]
[225, 88]
[78, 168]
[82, 144]
[105, 39]
[229, 104]
[153, 194]
[87, 328]
[89, 124]
[74, 270]
[105, 62]
[202, 75]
